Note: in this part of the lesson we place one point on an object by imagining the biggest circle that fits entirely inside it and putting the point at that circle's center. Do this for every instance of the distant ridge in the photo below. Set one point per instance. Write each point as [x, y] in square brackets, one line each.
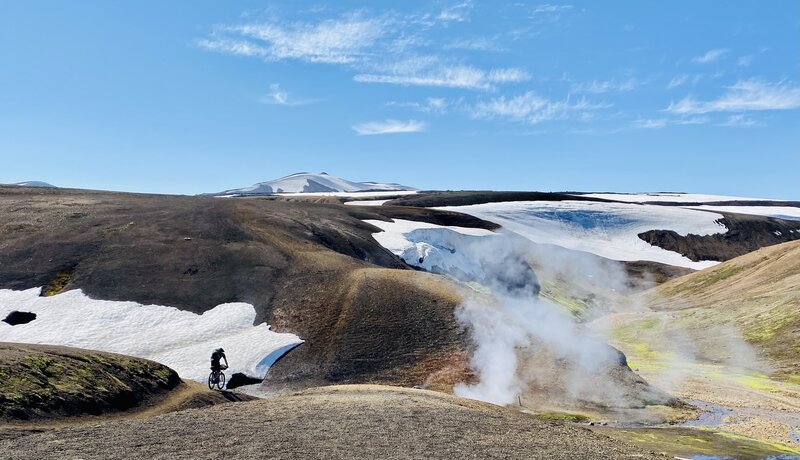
[305, 182]
[34, 183]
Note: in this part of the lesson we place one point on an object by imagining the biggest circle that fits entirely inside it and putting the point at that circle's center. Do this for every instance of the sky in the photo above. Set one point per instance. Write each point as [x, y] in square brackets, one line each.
[201, 96]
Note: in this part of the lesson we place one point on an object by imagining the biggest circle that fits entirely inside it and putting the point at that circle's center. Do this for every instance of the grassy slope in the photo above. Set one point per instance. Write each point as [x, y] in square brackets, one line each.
[759, 293]
[43, 382]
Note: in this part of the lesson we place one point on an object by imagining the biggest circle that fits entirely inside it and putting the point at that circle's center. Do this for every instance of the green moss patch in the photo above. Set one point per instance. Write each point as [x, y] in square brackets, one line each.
[561, 417]
[40, 383]
[59, 283]
[689, 442]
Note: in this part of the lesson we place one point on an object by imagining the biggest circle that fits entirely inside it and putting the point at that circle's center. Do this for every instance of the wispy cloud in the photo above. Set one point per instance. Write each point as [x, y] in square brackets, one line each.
[390, 49]
[549, 9]
[743, 96]
[457, 76]
[744, 61]
[677, 81]
[710, 56]
[658, 123]
[389, 127]
[741, 120]
[333, 41]
[473, 44]
[430, 105]
[277, 96]
[599, 87]
[650, 123]
[531, 108]
[458, 12]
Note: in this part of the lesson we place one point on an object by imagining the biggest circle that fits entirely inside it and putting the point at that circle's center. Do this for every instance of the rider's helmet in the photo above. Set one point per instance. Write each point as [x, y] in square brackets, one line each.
[220, 350]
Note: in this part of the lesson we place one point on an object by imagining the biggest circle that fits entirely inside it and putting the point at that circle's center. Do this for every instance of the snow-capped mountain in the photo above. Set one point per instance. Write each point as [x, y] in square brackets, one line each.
[34, 183]
[312, 183]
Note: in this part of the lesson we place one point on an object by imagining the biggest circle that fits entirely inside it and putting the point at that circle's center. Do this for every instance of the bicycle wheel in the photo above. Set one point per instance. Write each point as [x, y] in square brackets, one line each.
[211, 381]
[221, 381]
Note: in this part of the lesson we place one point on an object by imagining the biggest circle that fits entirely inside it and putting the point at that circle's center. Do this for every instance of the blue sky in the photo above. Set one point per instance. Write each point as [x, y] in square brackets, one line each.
[201, 96]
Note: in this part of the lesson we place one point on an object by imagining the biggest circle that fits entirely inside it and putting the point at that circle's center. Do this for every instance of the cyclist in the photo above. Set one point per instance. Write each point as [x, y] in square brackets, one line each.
[219, 354]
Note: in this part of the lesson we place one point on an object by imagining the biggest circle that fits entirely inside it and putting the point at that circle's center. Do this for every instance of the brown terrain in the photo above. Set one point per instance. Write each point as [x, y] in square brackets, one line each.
[333, 423]
[311, 268]
[308, 268]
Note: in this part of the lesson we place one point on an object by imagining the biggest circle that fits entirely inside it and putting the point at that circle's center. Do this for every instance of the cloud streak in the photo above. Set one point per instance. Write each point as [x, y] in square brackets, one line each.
[277, 96]
[710, 56]
[373, 128]
[607, 86]
[531, 108]
[331, 41]
[743, 96]
[458, 76]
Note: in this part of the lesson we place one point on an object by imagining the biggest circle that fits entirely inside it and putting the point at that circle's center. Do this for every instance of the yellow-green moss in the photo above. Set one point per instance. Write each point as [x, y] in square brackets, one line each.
[120, 228]
[561, 417]
[59, 283]
[688, 442]
[46, 384]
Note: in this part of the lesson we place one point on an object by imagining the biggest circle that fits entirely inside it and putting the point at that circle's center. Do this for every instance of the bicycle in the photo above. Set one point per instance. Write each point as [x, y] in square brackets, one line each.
[216, 378]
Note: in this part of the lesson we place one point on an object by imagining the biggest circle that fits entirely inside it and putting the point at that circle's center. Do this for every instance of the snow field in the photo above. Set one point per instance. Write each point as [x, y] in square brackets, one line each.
[179, 339]
[608, 230]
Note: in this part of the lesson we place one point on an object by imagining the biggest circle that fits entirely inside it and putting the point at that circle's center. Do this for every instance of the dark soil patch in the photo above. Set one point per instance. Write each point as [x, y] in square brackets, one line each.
[19, 317]
[439, 199]
[239, 380]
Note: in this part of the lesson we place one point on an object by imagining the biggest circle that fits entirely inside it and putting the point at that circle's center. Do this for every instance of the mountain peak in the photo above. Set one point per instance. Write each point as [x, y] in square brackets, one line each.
[305, 182]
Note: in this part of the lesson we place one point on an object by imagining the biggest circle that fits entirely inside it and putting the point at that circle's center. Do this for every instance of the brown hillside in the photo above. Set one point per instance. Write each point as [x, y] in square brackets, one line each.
[331, 423]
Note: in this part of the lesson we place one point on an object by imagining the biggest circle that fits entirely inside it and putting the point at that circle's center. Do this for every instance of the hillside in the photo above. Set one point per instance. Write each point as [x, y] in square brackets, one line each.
[305, 267]
[758, 292]
[309, 268]
[333, 422]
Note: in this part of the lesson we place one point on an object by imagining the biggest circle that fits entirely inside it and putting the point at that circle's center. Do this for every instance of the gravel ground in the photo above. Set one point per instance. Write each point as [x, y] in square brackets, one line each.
[332, 422]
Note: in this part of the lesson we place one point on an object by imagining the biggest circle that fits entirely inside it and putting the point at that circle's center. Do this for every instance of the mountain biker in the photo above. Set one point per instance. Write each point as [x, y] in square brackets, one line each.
[218, 354]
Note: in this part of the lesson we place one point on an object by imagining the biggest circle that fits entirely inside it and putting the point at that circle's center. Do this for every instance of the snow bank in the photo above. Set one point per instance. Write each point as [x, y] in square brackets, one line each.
[782, 212]
[609, 230]
[669, 197]
[435, 248]
[179, 339]
[493, 260]
[366, 202]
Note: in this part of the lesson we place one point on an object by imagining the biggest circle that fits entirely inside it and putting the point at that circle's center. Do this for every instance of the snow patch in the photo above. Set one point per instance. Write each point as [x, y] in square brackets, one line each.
[179, 339]
[492, 260]
[366, 202]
